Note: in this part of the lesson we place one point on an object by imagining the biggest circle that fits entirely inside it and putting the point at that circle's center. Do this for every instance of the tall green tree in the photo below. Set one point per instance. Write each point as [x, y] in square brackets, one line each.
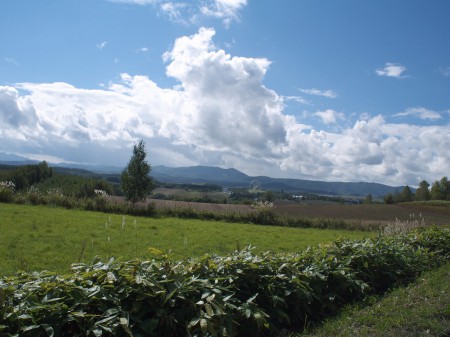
[440, 190]
[435, 193]
[423, 191]
[135, 179]
[406, 195]
[445, 187]
[389, 198]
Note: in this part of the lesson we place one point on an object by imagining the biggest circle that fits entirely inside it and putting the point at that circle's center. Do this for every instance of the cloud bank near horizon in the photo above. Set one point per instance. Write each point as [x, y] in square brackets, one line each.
[221, 114]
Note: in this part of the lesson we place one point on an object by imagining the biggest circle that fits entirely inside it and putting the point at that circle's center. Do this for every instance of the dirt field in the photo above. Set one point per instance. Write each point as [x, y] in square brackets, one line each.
[200, 206]
[367, 214]
[432, 215]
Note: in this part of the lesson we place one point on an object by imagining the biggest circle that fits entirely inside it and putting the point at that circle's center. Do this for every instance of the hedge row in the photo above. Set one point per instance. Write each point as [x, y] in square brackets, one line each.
[258, 216]
[237, 295]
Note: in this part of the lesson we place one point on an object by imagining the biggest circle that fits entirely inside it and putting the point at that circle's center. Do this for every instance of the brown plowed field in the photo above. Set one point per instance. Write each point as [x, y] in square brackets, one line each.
[365, 214]
[198, 206]
[432, 215]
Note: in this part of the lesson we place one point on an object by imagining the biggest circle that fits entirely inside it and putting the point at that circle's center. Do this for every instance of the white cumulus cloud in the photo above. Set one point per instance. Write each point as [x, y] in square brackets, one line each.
[391, 70]
[175, 11]
[329, 116]
[227, 104]
[420, 112]
[226, 10]
[187, 12]
[220, 114]
[101, 45]
[317, 92]
[16, 111]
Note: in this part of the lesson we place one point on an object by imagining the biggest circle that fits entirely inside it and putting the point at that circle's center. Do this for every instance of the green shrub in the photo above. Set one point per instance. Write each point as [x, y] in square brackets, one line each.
[241, 294]
[6, 191]
[263, 214]
[34, 196]
[6, 195]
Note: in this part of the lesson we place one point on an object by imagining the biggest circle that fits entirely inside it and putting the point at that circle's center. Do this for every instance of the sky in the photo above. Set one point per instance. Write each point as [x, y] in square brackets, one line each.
[349, 90]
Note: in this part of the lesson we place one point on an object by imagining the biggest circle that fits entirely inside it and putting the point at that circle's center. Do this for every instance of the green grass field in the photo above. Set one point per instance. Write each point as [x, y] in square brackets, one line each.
[421, 309]
[38, 237]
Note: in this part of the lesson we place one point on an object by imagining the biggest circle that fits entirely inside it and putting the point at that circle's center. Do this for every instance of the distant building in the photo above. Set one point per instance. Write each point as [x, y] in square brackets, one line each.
[300, 197]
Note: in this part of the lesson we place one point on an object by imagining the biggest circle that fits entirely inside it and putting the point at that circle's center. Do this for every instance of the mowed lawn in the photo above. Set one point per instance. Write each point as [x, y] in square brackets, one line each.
[46, 238]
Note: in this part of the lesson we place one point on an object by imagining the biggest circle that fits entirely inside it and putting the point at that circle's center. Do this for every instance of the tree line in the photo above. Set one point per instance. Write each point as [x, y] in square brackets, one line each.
[135, 180]
[44, 178]
[27, 175]
[440, 190]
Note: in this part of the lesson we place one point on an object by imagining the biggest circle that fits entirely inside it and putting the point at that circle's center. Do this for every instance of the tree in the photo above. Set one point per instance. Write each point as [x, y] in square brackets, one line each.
[369, 199]
[136, 181]
[445, 187]
[270, 196]
[389, 198]
[436, 191]
[441, 189]
[406, 195]
[423, 192]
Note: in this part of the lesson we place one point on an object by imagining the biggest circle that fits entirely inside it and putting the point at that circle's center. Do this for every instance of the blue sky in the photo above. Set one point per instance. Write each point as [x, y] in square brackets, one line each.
[330, 90]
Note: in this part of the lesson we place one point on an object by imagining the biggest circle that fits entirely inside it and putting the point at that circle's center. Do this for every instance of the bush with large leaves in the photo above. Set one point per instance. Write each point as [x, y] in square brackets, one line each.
[237, 295]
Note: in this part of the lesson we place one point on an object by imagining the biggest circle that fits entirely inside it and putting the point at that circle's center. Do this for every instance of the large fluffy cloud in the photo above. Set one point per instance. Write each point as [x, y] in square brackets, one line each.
[15, 111]
[220, 113]
[226, 106]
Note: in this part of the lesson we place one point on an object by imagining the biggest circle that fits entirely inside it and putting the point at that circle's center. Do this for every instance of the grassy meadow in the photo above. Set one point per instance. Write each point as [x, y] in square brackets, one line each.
[420, 309]
[49, 238]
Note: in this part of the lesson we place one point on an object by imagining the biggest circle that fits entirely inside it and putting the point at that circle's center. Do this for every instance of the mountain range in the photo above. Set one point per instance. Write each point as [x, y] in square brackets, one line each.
[231, 178]
[234, 178]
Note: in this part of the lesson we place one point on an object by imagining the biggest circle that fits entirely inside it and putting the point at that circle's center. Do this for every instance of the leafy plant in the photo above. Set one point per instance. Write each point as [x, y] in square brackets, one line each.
[241, 294]
[263, 213]
[7, 189]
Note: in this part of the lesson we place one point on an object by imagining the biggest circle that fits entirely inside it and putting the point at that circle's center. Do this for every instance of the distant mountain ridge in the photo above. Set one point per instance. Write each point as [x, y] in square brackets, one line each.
[231, 178]
[12, 159]
[200, 174]
[235, 178]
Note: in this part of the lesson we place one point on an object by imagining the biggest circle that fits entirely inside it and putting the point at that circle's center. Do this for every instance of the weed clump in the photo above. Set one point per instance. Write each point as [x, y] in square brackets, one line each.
[7, 191]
